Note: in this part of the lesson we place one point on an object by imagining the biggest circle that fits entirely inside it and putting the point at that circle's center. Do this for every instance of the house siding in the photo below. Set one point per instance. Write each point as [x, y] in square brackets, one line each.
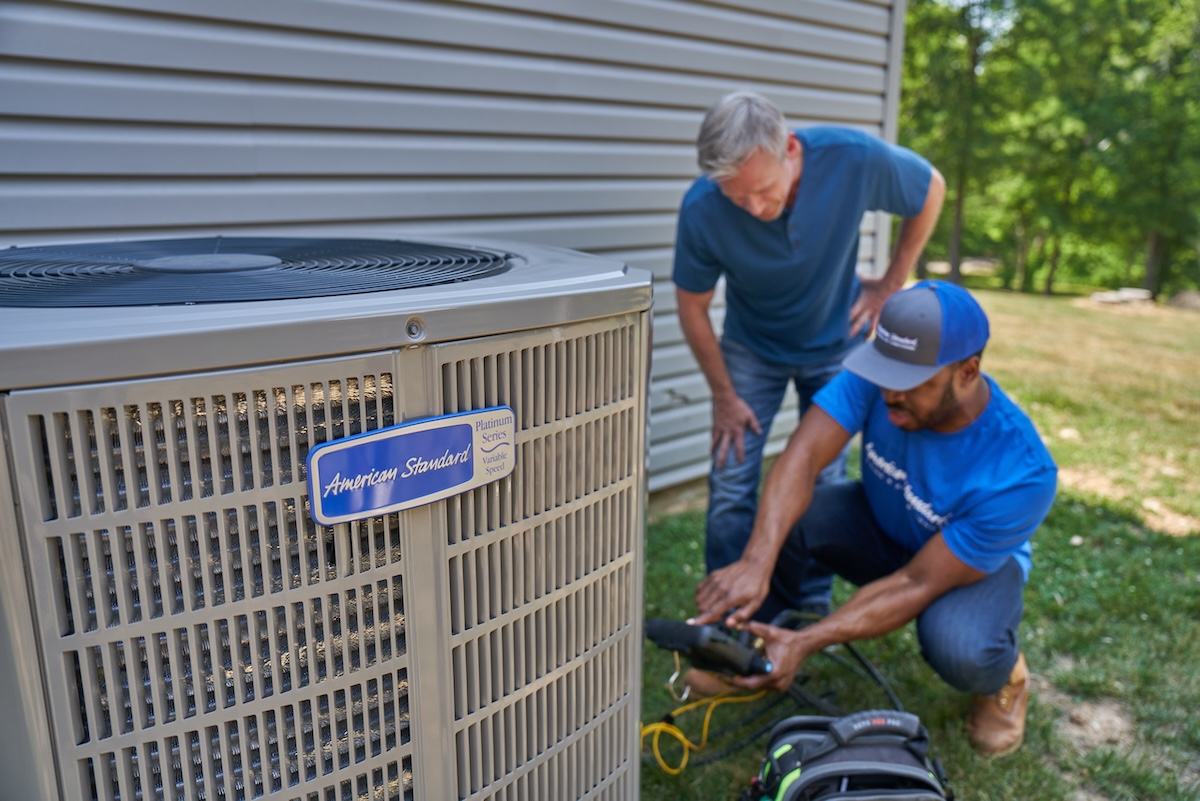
[560, 123]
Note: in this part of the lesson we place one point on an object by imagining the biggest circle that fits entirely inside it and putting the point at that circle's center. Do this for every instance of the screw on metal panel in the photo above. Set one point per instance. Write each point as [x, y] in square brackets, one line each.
[415, 328]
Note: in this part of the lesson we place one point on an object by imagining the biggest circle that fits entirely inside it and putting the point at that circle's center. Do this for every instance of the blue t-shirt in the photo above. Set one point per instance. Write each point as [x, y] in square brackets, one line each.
[790, 283]
[986, 487]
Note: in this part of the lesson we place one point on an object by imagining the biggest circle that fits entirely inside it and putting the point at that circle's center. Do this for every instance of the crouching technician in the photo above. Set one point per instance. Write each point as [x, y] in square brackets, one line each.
[955, 480]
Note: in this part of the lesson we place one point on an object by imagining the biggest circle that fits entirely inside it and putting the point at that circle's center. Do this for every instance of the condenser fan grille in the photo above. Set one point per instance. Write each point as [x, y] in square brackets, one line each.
[229, 269]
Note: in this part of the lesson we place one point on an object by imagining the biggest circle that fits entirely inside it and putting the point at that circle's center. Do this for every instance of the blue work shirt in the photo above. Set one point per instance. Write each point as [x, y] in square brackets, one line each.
[790, 283]
[986, 487]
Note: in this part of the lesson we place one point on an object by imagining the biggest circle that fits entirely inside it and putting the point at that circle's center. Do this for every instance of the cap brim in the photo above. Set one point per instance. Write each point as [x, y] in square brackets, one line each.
[867, 362]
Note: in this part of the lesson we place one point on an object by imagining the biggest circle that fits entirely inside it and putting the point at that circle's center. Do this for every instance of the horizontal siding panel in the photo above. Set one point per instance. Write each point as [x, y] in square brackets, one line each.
[38, 148]
[32, 205]
[665, 290]
[665, 298]
[669, 424]
[871, 16]
[733, 20]
[690, 422]
[602, 86]
[57, 91]
[672, 454]
[680, 451]
[593, 234]
[669, 393]
[751, 48]
[164, 44]
[808, 26]
[667, 330]
[568, 29]
[672, 360]
[669, 468]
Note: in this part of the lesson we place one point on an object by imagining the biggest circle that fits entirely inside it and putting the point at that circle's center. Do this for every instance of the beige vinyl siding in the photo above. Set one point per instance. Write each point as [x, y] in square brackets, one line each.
[560, 122]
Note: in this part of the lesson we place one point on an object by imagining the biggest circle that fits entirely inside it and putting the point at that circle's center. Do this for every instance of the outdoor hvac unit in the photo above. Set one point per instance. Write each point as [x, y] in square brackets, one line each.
[174, 624]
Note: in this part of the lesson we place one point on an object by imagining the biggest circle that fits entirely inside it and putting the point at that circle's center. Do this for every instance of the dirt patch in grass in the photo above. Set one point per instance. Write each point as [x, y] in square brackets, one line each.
[1106, 724]
[1091, 481]
[1136, 308]
[1162, 518]
[1088, 725]
[1156, 515]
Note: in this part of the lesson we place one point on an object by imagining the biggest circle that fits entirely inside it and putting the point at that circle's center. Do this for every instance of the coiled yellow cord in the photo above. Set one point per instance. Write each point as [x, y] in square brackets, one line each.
[662, 727]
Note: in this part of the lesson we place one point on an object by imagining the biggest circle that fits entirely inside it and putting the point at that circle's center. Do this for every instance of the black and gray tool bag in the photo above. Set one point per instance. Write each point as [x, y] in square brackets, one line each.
[868, 756]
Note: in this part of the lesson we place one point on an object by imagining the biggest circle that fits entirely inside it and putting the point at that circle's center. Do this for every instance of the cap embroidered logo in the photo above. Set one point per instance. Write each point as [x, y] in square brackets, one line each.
[921, 330]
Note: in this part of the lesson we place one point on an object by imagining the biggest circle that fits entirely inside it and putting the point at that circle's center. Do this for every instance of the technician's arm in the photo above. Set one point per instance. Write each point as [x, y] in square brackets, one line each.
[876, 609]
[742, 586]
[914, 234]
[731, 415]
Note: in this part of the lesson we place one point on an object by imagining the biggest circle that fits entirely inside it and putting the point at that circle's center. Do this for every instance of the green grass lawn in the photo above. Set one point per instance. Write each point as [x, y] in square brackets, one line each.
[1112, 609]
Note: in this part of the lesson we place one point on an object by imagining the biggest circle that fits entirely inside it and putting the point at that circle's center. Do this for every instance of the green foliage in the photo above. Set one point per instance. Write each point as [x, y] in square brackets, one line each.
[1070, 129]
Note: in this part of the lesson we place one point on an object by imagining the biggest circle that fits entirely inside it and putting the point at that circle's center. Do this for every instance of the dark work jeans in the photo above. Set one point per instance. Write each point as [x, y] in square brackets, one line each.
[733, 488]
[969, 635]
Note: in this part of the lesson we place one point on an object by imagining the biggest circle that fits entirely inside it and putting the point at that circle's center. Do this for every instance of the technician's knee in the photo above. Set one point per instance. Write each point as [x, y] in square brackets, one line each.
[967, 661]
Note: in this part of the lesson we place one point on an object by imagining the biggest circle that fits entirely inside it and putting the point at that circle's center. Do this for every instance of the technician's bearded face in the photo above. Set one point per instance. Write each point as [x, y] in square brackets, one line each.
[931, 405]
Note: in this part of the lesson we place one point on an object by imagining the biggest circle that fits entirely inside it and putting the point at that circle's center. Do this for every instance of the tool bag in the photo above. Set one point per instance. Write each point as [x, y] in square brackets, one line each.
[867, 756]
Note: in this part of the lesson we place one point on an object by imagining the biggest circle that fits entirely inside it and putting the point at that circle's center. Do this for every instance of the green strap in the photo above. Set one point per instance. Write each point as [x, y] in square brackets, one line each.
[787, 782]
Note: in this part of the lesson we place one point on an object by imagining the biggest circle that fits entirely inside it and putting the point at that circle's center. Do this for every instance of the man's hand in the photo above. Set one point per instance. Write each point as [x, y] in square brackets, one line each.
[865, 313]
[731, 417]
[785, 649]
[740, 587]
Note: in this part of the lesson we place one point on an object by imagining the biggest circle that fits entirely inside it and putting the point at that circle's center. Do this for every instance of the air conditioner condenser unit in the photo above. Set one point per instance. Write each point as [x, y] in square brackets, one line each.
[174, 623]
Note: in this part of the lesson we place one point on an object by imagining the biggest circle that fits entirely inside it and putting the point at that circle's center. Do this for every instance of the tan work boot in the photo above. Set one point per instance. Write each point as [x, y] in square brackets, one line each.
[996, 725]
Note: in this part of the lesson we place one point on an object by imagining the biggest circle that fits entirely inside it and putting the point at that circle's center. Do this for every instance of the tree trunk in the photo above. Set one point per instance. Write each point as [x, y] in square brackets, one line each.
[1048, 289]
[1154, 248]
[1021, 262]
[974, 40]
[956, 230]
[1063, 225]
[1025, 266]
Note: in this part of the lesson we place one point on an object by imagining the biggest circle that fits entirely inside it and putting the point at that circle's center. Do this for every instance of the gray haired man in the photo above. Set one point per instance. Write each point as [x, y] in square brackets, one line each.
[777, 214]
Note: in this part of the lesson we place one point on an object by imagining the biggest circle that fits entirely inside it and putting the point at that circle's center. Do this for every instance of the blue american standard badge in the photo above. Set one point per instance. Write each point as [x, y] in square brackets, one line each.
[410, 464]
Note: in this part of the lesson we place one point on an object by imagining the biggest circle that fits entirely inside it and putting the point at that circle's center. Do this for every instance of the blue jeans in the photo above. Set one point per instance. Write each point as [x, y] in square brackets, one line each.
[969, 635]
[733, 489]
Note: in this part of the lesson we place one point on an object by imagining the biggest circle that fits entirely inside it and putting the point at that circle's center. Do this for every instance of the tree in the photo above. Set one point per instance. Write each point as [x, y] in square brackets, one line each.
[1068, 132]
[945, 103]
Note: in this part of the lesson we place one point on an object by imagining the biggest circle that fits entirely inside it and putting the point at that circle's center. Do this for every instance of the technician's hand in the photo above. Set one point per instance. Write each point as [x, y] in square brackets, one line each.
[864, 314]
[731, 417]
[784, 648]
[740, 587]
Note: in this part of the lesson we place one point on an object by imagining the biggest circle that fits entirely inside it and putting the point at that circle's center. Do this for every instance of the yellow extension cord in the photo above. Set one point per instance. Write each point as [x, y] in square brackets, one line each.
[662, 727]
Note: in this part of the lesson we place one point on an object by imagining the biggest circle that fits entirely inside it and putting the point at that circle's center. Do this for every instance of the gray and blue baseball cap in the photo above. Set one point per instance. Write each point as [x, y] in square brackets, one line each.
[921, 330]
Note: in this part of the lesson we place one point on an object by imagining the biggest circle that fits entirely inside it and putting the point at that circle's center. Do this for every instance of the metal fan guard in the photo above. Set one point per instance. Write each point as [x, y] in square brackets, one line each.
[230, 270]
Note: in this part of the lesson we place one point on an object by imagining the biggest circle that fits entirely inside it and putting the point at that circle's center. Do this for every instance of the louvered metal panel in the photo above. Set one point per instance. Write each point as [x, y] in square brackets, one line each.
[559, 124]
[202, 637]
[200, 634]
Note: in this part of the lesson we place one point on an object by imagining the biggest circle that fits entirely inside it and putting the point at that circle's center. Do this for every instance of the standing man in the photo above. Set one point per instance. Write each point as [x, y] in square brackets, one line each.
[955, 480]
[777, 213]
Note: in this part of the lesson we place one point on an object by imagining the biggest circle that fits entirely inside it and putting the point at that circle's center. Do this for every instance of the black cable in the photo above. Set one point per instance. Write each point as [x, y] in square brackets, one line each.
[738, 745]
[877, 676]
[794, 619]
